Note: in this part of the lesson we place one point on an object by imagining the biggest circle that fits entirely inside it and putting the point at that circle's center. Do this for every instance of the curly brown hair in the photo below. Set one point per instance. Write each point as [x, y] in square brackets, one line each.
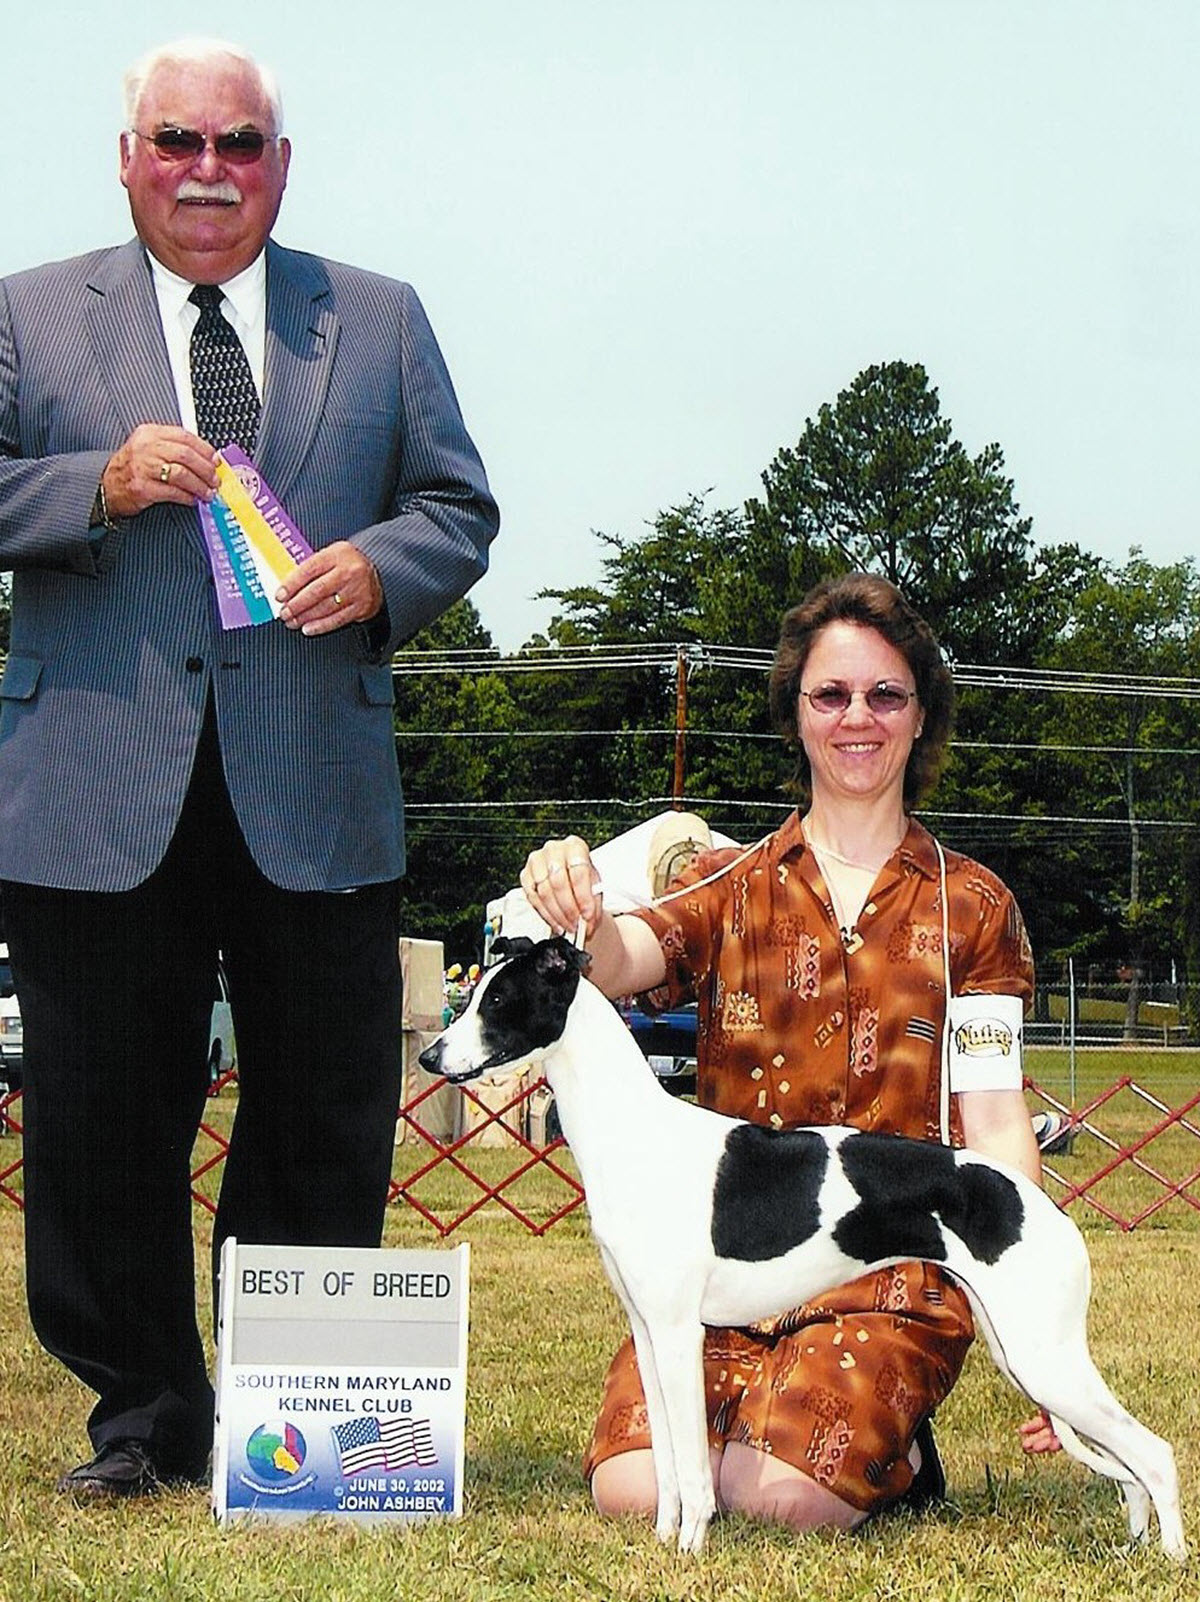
[873, 602]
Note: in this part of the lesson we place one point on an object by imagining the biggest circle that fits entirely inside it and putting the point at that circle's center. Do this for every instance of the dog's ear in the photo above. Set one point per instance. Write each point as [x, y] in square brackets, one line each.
[562, 956]
[511, 945]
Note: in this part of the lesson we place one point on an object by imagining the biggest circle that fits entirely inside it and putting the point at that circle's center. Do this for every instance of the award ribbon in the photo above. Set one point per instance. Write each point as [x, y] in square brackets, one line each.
[252, 543]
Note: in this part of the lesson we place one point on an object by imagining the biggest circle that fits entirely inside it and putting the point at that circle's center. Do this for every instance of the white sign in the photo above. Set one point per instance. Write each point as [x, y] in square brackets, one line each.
[341, 1383]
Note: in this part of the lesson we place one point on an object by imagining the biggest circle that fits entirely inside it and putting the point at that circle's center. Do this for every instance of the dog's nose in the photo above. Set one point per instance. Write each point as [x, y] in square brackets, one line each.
[431, 1058]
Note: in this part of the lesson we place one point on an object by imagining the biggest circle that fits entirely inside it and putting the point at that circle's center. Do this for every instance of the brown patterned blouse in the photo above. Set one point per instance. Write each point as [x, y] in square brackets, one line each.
[798, 1025]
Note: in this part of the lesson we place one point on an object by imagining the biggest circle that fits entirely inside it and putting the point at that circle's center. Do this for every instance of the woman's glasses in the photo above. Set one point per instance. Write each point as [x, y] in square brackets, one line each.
[239, 147]
[882, 699]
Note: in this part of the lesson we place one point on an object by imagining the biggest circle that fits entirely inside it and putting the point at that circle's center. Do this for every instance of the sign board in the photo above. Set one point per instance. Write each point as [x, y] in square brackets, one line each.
[341, 1383]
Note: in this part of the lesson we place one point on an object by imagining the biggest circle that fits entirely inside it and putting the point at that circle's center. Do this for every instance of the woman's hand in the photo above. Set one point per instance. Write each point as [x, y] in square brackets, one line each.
[559, 882]
[1037, 1435]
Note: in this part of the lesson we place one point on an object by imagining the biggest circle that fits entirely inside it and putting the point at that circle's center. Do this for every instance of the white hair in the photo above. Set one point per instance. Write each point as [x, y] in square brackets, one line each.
[196, 51]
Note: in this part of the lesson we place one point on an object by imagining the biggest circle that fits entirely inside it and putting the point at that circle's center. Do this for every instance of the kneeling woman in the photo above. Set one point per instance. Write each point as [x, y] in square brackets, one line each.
[819, 964]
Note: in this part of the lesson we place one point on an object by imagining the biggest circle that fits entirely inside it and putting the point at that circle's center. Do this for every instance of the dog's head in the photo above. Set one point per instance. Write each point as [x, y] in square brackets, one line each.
[518, 1012]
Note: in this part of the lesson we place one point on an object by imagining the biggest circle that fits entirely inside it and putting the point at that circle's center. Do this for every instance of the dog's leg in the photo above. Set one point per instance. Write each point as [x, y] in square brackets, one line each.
[666, 1522]
[1052, 1365]
[1137, 1498]
[674, 1353]
[1096, 1429]
[670, 1363]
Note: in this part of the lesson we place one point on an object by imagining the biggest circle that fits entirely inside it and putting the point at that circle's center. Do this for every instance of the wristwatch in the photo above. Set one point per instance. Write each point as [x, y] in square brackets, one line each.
[99, 516]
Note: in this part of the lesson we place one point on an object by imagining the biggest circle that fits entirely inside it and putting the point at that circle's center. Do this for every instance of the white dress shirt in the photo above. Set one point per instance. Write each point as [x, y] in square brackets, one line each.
[244, 307]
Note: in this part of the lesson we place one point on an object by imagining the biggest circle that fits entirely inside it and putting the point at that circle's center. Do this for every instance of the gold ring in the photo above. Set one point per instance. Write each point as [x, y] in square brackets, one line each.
[577, 862]
[337, 598]
[164, 473]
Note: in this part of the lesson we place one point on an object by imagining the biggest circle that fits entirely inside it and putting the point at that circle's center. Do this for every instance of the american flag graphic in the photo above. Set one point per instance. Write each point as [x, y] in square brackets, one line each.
[369, 1444]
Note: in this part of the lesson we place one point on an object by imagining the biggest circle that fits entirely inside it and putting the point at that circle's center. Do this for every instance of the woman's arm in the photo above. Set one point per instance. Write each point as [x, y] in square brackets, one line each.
[997, 1123]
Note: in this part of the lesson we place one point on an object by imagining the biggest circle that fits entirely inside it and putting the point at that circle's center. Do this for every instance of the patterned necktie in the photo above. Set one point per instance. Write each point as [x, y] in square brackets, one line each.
[223, 389]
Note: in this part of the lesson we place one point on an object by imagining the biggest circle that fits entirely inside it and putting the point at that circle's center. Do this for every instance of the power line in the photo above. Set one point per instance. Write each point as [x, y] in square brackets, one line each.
[700, 655]
[693, 733]
[651, 803]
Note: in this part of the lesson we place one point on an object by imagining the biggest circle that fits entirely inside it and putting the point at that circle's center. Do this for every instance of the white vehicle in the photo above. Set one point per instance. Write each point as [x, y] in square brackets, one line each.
[222, 1053]
[12, 1039]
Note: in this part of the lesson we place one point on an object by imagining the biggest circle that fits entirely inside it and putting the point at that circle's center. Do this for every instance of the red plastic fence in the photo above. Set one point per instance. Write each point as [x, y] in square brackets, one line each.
[1131, 1185]
[509, 1119]
[1164, 1122]
[10, 1166]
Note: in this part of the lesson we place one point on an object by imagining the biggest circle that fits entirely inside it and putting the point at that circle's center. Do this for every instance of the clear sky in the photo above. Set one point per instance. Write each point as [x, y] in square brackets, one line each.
[653, 236]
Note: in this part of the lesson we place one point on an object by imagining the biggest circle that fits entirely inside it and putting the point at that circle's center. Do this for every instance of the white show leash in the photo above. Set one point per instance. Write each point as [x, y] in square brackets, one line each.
[944, 1085]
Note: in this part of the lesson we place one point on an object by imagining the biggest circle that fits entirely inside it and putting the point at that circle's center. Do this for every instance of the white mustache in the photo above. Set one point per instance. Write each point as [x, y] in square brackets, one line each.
[193, 189]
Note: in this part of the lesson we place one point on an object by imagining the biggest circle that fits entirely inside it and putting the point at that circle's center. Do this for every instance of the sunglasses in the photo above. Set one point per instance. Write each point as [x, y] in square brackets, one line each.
[239, 147]
[882, 699]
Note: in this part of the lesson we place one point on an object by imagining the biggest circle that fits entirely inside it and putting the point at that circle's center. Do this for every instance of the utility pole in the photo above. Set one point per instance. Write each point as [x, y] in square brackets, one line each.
[680, 726]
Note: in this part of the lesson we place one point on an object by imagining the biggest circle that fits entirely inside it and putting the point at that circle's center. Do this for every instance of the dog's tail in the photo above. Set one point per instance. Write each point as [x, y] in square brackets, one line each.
[1092, 1453]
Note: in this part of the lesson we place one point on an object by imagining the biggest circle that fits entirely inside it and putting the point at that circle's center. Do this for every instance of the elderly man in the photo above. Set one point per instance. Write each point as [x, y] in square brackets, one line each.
[170, 790]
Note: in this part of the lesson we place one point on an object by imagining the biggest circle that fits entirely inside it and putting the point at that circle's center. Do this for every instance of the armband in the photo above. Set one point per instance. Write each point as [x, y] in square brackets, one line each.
[985, 1043]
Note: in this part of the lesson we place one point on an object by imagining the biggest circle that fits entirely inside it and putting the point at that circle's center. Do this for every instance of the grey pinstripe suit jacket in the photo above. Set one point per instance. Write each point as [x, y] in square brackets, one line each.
[113, 649]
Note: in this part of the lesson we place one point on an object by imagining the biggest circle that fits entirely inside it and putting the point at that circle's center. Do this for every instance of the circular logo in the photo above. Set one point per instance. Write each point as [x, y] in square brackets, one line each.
[276, 1451]
[250, 480]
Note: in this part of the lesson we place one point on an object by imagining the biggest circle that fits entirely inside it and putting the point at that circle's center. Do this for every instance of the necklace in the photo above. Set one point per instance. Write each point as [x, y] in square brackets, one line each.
[848, 895]
[847, 862]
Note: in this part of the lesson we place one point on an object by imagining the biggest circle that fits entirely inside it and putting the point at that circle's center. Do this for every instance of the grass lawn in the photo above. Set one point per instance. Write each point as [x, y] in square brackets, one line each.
[543, 1325]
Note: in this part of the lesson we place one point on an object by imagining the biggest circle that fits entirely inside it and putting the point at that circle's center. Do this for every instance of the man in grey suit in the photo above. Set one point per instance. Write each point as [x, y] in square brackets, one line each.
[170, 790]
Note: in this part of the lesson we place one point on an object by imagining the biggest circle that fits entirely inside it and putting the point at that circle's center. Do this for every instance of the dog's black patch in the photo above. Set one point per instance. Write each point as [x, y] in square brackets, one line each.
[765, 1193]
[903, 1183]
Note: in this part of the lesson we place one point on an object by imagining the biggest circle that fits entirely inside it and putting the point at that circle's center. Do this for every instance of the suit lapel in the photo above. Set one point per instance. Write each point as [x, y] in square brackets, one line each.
[302, 334]
[126, 332]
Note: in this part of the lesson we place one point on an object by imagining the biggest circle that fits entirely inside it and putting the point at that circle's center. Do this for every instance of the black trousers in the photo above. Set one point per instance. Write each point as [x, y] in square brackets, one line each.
[116, 992]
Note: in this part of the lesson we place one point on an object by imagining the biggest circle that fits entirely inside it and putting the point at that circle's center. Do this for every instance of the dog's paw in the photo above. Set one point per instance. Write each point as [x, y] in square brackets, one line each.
[693, 1528]
[694, 1525]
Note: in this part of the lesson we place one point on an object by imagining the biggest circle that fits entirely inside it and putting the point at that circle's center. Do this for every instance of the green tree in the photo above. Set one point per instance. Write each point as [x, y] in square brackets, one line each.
[653, 585]
[877, 482]
[686, 579]
[1143, 620]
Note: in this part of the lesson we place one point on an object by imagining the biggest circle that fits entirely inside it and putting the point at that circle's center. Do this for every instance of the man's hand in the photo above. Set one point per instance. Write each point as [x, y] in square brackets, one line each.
[334, 586]
[158, 462]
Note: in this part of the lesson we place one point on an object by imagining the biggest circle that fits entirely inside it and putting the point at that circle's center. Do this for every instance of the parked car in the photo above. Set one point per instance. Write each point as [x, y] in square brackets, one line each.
[12, 1038]
[668, 1043]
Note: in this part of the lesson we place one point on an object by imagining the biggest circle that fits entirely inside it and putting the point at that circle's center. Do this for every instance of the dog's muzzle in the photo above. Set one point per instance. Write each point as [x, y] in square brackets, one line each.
[431, 1060]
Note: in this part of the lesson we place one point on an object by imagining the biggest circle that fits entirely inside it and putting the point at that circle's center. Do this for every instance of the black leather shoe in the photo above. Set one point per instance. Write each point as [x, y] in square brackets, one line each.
[119, 1469]
[928, 1486]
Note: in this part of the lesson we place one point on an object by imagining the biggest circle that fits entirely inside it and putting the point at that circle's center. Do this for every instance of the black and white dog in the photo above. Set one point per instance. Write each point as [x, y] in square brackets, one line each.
[703, 1219]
